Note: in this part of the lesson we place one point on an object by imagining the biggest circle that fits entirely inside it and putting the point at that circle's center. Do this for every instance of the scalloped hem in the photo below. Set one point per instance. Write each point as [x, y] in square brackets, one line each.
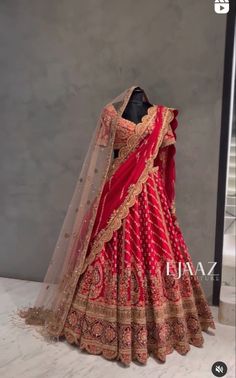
[140, 356]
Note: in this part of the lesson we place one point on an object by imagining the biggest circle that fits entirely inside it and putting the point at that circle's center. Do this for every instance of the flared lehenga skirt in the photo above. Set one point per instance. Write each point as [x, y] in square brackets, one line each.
[126, 305]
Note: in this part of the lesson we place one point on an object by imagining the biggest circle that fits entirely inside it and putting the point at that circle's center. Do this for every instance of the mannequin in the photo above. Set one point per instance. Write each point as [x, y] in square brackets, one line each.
[136, 108]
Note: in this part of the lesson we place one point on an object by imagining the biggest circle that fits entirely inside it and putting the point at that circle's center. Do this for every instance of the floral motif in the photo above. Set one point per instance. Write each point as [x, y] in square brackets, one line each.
[163, 332]
[193, 323]
[142, 336]
[97, 329]
[125, 305]
[126, 337]
[110, 334]
[178, 329]
[72, 318]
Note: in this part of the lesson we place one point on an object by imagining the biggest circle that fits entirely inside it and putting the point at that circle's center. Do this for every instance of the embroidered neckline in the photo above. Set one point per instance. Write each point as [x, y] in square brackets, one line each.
[140, 130]
[144, 118]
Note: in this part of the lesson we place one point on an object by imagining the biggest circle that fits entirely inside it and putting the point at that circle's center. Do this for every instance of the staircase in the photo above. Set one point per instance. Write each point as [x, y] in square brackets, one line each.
[226, 313]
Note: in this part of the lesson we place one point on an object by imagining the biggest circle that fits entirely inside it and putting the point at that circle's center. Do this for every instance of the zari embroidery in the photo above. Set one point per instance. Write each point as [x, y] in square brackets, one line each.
[139, 132]
[169, 137]
[115, 220]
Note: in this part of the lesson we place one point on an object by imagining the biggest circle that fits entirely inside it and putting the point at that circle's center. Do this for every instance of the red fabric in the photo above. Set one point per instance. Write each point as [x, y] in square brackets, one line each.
[170, 176]
[115, 189]
[166, 162]
[126, 305]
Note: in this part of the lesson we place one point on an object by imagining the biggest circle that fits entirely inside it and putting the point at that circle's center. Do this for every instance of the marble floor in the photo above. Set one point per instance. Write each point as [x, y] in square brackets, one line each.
[24, 355]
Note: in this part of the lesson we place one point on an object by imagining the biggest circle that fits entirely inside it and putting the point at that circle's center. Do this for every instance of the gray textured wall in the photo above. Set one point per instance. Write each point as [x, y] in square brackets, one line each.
[61, 60]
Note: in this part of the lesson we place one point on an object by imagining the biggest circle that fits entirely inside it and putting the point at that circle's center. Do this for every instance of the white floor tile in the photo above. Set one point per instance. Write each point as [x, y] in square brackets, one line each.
[23, 355]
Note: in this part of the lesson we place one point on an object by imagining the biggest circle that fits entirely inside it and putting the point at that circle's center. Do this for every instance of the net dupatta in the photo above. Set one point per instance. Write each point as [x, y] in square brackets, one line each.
[58, 287]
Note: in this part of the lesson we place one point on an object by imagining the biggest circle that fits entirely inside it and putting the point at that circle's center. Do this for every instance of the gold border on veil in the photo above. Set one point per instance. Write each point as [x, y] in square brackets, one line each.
[53, 318]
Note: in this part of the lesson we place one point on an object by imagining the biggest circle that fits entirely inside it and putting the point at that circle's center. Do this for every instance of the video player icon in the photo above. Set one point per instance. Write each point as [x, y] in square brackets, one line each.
[221, 6]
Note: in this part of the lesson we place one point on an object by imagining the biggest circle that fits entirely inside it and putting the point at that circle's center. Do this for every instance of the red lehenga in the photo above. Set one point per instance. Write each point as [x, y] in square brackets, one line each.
[126, 305]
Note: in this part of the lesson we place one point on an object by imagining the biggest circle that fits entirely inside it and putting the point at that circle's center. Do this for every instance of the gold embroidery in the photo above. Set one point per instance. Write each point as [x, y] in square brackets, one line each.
[35, 315]
[55, 319]
[168, 142]
[173, 208]
[104, 310]
[104, 131]
[104, 324]
[67, 291]
[115, 220]
[133, 140]
[107, 328]
[169, 138]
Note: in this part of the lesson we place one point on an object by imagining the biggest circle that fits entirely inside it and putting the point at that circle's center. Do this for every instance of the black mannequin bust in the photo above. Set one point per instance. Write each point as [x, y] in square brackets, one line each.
[136, 108]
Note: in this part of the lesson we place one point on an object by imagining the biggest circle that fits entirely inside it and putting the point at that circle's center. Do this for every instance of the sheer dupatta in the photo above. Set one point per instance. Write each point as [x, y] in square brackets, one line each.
[103, 194]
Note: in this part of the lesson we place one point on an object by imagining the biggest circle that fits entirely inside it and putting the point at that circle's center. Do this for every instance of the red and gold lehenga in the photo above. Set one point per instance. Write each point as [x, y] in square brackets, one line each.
[126, 304]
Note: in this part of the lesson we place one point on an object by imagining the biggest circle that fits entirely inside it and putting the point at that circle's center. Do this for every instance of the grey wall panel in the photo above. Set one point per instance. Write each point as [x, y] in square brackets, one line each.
[60, 62]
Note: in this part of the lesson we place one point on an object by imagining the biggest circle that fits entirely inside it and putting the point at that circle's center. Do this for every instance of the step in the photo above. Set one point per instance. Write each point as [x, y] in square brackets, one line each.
[232, 161]
[231, 200]
[229, 226]
[230, 210]
[228, 275]
[232, 151]
[232, 181]
[231, 190]
[229, 261]
[229, 251]
[226, 313]
[232, 171]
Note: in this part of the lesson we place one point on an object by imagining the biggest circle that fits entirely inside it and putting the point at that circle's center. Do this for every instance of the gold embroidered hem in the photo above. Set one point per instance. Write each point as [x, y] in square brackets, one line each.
[141, 355]
[126, 306]
[134, 333]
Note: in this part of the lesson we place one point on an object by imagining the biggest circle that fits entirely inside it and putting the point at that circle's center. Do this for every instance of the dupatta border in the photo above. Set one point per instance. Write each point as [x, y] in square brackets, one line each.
[172, 141]
[115, 220]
